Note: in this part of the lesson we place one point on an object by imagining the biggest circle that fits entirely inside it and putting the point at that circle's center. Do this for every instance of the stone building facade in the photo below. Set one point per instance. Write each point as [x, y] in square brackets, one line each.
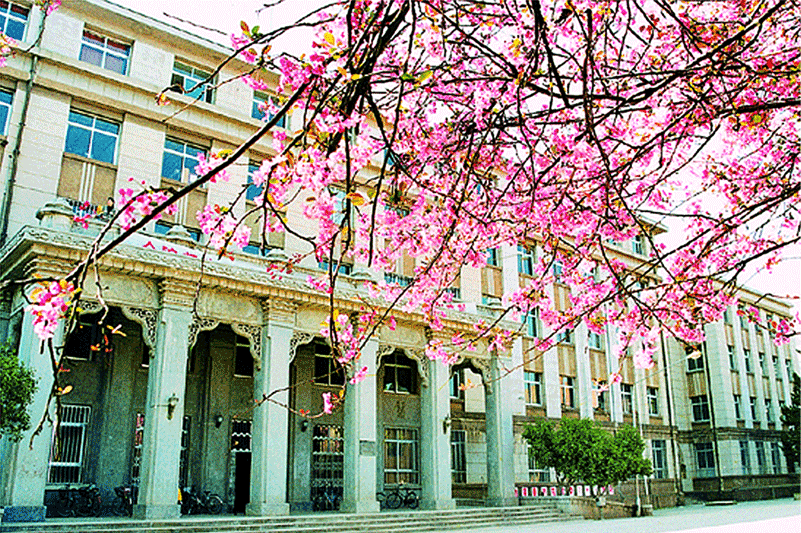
[172, 402]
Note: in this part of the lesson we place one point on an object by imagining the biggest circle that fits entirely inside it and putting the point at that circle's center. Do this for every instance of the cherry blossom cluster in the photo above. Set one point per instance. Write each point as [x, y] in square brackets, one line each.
[50, 303]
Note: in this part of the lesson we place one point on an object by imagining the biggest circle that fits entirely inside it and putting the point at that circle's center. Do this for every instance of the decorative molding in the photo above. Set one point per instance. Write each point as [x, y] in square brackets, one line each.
[485, 367]
[177, 293]
[279, 310]
[89, 307]
[417, 355]
[253, 334]
[200, 324]
[148, 319]
[383, 349]
[299, 338]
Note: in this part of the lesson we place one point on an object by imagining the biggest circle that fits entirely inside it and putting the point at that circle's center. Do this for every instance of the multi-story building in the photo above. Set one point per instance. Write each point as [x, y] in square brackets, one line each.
[171, 403]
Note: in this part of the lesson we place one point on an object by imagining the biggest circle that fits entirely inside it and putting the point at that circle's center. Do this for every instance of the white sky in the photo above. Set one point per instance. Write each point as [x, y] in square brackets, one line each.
[226, 15]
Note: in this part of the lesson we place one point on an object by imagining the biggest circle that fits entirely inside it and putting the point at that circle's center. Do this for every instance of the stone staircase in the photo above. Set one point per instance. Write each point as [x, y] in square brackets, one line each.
[385, 522]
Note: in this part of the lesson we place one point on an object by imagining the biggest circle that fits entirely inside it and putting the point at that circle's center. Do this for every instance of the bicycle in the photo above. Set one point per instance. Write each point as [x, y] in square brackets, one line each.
[327, 500]
[123, 505]
[196, 502]
[78, 501]
[400, 496]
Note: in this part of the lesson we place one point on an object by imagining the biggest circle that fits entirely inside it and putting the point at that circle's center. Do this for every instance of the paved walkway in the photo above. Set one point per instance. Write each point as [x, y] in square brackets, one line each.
[773, 516]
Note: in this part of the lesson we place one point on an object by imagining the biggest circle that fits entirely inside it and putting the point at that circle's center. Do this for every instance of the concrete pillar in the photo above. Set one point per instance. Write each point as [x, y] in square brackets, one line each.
[359, 477]
[269, 467]
[24, 468]
[500, 440]
[583, 375]
[717, 364]
[435, 445]
[164, 407]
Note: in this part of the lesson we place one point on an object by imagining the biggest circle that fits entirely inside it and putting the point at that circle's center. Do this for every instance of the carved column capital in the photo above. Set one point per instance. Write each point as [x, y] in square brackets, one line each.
[279, 310]
[177, 293]
[148, 319]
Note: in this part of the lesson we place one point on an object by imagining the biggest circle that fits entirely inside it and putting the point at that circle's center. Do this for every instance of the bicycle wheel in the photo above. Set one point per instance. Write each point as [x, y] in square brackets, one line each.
[411, 500]
[119, 507]
[394, 500]
[63, 507]
[381, 499]
[214, 504]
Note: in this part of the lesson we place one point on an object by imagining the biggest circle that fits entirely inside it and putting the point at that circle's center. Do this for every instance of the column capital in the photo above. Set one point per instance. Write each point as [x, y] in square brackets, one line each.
[177, 293]
[279, 310]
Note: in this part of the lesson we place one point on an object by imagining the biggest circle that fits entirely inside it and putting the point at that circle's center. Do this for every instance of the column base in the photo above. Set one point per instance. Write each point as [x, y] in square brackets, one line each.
[502, 502]
[360, 507]
[156, 512]
[438, 505]
[24, 513]
[267, 509]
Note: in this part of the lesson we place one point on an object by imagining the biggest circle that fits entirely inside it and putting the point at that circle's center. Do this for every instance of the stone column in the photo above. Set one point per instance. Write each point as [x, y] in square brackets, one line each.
[500, 439]
[435, 445]
[583, 382]
[359, 477]
[24, 468]
[164, 407]
[269, 467]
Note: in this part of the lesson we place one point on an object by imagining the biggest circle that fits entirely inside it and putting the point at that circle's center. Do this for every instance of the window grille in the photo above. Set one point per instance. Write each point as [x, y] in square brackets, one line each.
[69, 441]
[241, 435]
[535, 474]
[328, 458]
[458, 457]
[400, 456]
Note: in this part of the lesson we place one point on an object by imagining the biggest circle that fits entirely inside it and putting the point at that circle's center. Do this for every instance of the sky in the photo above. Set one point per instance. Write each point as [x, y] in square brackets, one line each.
[225, 16]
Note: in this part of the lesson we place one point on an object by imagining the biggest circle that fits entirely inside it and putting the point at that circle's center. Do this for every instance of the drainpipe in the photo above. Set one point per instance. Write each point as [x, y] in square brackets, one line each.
[712, 418]
[671, 421]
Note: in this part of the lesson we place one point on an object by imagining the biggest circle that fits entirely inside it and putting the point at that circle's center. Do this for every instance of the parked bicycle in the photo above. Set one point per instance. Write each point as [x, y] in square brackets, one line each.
[328, 499]
[398, 497]
[78, 501]
[197, 502]
[126, 497]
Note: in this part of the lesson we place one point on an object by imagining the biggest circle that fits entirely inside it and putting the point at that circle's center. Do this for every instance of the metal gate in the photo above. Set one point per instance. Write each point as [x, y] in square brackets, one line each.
[327, 463]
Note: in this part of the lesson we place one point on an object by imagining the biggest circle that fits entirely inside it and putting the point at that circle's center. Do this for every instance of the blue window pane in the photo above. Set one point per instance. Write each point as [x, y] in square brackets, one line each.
[91, 55]
[194, 152]
[253, 191]
[77, 141]
[104, 125]
[194, 94]
[117, 64]
[255, 111]
[78, 118]
[171, 166]
[162, 228]
[103, 147]
[173, 145]
[15, 29]
[3, 119]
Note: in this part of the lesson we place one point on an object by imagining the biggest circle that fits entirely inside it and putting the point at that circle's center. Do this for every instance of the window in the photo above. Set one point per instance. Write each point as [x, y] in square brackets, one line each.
[92, 137]
[769, 411]
[732, 357]
[777, 369]
[638, 245]
[738, 408]
[327, 371]
[747, 354]
[658, 453]
[163, 228]
[180, 159]
[253, 190]
[243, 360]
[69, 441]
[255, 248]
[695, 358]
[762, 367]
[6, 97]
[493, 257]
[531, 319]
[745, 457]
[343, 268]
[602, 397]
[84, 339]
[183, 457]
[187, 78]
[626, 398]
[753, 409]
[653, 401]
[727, 315]
[399, 374]
[103, 52]
[455, 384]
[458, 457]
[775, 458]
[762, 466]
[565, 336]
[533, 383]
[705, 458]
[700, 405]
[13, 19]
[400, 456]
[568, 392]
[525, 260]
[558, 270]
[596, 341]
[328, 459]
[743, 317]
[259, 110]
[536, 475]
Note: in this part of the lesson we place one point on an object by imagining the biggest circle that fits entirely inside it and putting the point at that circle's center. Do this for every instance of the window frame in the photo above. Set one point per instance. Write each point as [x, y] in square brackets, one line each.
[705, 459]
[535, 475]
[391, 364]
[7, 108]
[334, 376]
[700, 408]
[567, 391]
[196, 75]
[627, 398]
[526, 257]
[69, 412]
[243, 359]
[694, 364]
[9, 15]
[105, 50]
[762, 460]
[259, 98]
[184, 156]
[653, 401]
[659, 458]
[458, 456]
[403, 436]
[738, 407]
[745, 457]
[455, 392]
[732, 358]
[94, 133]
[532, 383]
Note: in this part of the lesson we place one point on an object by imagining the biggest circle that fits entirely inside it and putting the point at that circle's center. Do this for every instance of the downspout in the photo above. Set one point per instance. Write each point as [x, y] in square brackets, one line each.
[671, 422]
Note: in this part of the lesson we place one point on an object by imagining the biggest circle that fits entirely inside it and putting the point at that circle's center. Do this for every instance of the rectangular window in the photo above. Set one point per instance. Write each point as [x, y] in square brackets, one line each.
[762, 465]
[695, 358]
[458, 457]
[762, 367]
[253, 190]
[6, 97]
[741, 312]
[85, 339]
[92, 137]
[777, 369]
[104, 52]
[596, 341]
[747, 354]
[399, 374]
[243, 360]
[163, 228]
[13, 20]
[705, 458]
[343, 268]
[745, 457]
[180, 159]
[659, 455]
[531, 319]
[565, 336]
[326, 370]
[653, 401]
[732, 357]
[536, 475]
[187, 78]
[568, 392]
[400, 456]
[183, 457]
[68, 445]
[738, 407]
[533, 383]
[727, 316]
[602, 397]
[455, 385]
[769, 411]
[558, 269]
[493, 257]
[753, 409]
[638, 245]
[627, 398]
[700, 406]
[260, 108]
[775, 458]
[525, 260]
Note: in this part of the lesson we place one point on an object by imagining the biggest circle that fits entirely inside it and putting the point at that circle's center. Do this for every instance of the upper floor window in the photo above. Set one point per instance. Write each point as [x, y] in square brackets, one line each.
[558, 270]
[747, 354]
[104, 52]
[493, 257]
[13, 19]
[399, 372]
[533, 383]
[568, 391]
[91, 136]
[163, 228]
[6, 97]
[565, 336]
[752, 402]
[326, 370]
[653, 401]
[695, 358]
[455, 385]
[531, 320]
[638, 245]
[700, 405]
[253, 190]
[627, 398]
[243, 359]
[260, 108]
[596, 341]
[180, 159]
[189, 78]
[732, 357]
[738, 407]
[525, 260]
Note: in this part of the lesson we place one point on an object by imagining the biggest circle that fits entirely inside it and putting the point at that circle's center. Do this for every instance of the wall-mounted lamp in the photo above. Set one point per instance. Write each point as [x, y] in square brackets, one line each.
[446, 423]
[218, 420]
[172, 402]
[304, 425]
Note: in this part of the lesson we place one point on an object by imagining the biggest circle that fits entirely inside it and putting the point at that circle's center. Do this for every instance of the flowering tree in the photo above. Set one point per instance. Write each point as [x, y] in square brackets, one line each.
[445, 129]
